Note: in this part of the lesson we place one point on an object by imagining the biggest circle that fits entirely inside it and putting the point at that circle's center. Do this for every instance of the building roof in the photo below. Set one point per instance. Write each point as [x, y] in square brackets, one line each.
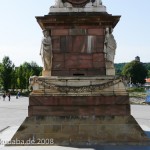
[147, 80]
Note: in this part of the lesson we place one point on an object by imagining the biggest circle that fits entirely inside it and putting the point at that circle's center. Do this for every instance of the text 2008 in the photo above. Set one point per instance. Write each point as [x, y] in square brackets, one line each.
[45, 141]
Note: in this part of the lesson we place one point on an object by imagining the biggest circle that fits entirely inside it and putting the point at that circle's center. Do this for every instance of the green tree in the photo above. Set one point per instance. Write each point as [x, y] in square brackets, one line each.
[13, 81]
[6, 70]
[23, 73]
[135, 71]
[0, 76]
[21, 77]
[119, 67]
[148, 75]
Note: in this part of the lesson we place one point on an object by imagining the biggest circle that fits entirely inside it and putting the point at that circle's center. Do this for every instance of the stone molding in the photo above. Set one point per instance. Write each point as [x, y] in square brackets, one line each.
[77, 86]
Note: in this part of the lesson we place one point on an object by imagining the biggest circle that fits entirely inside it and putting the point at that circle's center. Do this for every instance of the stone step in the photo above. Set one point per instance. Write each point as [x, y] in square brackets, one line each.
[81, 131]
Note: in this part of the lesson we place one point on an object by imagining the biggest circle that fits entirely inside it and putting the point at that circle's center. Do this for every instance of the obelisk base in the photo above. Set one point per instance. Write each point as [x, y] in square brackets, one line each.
[67, 131]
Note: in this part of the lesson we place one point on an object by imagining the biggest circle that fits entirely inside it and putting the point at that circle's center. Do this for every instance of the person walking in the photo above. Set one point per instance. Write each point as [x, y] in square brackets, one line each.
[4, 95]
[8, 96]
[18, 95]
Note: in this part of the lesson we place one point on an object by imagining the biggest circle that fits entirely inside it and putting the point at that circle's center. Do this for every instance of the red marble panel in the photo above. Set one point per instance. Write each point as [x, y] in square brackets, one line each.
[98, 57]
[79, 44]
[78, 72]
[70, 56]
[30, 111]
[58, 57]
[77, 32]
[69, 44]
[78, 110]
[88, 27]
[58, 65]
[77, 100]
[85, 57]
[98, 49]
[56, 43]
[98, 64]
[95, 31]
[77, 27]
[59, 27]
[93, 44]
[55, 32]
[112, 110]
[78, 61]
[63, 44]
[85, 111]
[60, 72]
[100, 41]
[94, 72]
[85, 64]
[71, 64]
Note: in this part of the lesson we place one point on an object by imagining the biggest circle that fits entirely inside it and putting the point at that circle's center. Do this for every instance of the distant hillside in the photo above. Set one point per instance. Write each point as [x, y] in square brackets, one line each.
[119, 67]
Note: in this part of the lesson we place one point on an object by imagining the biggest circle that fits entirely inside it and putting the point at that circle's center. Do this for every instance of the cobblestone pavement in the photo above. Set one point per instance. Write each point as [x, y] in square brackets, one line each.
[13, 112]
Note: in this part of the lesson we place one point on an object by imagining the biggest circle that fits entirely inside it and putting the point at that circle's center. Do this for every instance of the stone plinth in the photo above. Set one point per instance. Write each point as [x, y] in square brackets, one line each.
[81, 96]
[80, 111]
[75, 130]
[79, 105]
[77, 86]
[85, 9]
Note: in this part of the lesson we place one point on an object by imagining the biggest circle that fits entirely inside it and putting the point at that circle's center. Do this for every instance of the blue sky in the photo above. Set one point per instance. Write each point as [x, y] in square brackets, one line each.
[20, 34]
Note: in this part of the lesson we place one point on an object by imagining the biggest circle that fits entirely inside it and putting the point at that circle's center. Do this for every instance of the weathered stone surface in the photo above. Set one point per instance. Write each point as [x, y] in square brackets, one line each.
[55, 32]
[87, 9]
[96, 31]
[77, 100]
[78, 86]
[80, 130]
[78, 49]
[110, 72]
[120, 110]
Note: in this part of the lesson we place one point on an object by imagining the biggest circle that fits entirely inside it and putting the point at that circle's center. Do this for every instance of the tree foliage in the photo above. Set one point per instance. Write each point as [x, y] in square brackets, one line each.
[12, 77]
[24, 72]
[119, 67]
[6, 70]
[135, 71]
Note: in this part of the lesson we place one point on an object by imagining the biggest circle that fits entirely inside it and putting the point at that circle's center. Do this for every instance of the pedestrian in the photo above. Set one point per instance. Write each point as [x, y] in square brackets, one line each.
[8, 96]
[4, 95]
[18, 95]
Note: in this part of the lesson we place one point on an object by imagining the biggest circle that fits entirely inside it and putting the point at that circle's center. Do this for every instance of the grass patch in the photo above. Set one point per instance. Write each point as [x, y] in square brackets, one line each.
[137, 92]
[135, 89]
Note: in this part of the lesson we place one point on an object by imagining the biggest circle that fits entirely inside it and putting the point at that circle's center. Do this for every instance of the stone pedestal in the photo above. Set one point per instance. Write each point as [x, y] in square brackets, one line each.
[75, 130]
[80, 111]
[82, 102]
[46, 73]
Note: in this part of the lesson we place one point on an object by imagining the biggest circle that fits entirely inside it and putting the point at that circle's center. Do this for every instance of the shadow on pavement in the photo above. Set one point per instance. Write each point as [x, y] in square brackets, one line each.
[111, 147]
[148, 133]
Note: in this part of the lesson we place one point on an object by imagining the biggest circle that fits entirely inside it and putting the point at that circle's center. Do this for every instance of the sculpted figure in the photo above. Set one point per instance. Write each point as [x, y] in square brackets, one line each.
[94, 3]
[97, 3]
[110, 46]
[59, 3]
[46, 51]
[68, 5]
